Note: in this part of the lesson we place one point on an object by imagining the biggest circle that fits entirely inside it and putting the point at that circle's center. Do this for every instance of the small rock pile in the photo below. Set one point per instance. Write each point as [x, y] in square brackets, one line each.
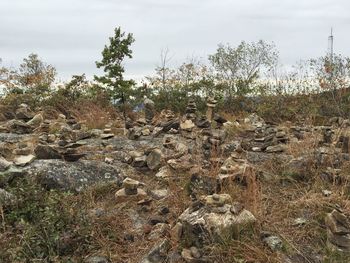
[191, 110]
[130, 190]
[211, 219]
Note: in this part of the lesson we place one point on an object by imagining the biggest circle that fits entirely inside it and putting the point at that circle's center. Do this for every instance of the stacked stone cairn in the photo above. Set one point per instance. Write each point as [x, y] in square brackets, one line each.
[149, 110]
[191, 110]
[211, 104]
[130, 190]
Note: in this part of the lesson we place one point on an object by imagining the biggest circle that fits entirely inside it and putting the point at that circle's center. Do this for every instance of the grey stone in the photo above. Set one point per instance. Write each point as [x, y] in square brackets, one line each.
[46, 152]
[154, 159]
[202, 224]
[58, 174]
[4, 164]
[24, 160]
[97, 259]
[158, 253]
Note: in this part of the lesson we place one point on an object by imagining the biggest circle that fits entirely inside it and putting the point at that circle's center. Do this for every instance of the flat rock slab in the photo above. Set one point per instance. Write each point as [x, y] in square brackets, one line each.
[73, 176]
[12, 137]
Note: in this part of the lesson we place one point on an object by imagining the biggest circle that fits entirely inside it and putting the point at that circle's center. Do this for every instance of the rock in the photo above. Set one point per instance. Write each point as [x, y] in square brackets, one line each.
[299, 221]
[4, 164]
[275, 149]
[156, 219]
[159, 194]
[145, 132]
[154, 159]
[97, 259]
[187, 125]
[36, 120]
[10, 174]
[106, 136]
[182, 164]
[219, 120]
[19, 127]
[218, 200]
[24, 113]
[191, 107]
[61, 175]
[195, 252]
[203, 122]
[23, 160]
[233, 169]
[254, 120]
[46, 152]
[337, 223]
[338, 231]
[130, 191]
[187, 255]
[140, 161]
[339, 240]
[171, 124]
[164, 172]
[130, 186]
[158, 231]
[273, 242]
[201, 223]
[326, 193]
[158, 253]
[72, 156]
[149, 110]
[211, 104]
[122, 196]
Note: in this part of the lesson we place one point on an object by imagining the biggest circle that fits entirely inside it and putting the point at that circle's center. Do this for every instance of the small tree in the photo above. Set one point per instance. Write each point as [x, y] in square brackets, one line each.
[75, 88]
[113, 56]
[239, 67]
[333, 76]
[33, 79]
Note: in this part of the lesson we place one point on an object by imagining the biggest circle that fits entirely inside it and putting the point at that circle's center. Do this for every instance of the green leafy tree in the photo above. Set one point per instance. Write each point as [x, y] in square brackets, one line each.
[76, 88]
[31, 83]
[113, 56]
[332, 74]
[239, 67]
[33, 77]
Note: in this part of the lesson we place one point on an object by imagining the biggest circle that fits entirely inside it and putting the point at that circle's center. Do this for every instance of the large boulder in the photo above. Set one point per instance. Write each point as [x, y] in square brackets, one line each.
[67, 176]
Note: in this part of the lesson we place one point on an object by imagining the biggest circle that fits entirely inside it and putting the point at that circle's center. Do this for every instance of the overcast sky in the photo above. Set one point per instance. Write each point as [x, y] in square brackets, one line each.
[70, 34]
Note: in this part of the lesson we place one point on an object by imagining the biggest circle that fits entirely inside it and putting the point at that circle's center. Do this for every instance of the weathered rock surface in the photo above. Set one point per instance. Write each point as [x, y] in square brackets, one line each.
[212, 220]
[338, 231]
[75, 176]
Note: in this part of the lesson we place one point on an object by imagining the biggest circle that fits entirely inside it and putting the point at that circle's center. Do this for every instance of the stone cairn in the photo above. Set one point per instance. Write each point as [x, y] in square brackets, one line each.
[208, 220]
[130, 190]
[327, 135]
[211, 104]
[338, 231]
[149, 110]
[191, 110]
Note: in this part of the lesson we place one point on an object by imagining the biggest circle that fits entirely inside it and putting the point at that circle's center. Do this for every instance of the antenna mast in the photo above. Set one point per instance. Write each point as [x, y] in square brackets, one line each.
[330, 47]
[331, 58]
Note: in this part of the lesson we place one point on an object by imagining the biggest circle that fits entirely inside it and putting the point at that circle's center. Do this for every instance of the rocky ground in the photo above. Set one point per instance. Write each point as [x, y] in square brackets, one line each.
[173, 189]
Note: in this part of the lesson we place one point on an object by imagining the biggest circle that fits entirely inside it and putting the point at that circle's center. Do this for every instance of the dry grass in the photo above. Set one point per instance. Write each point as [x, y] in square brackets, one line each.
[95, 116]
